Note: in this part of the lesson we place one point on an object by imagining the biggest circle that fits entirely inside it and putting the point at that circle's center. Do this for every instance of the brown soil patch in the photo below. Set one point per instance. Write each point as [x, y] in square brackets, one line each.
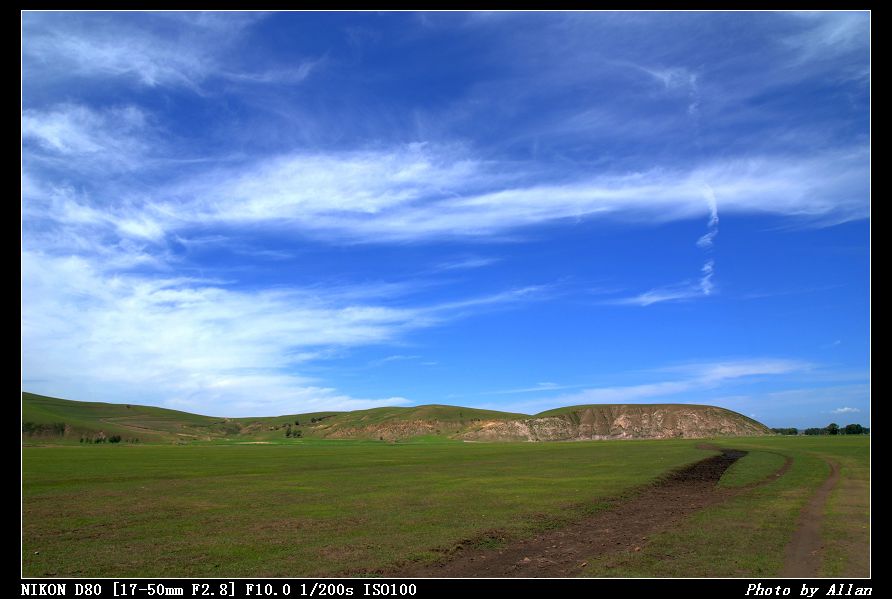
[803, 555]
[625, 527]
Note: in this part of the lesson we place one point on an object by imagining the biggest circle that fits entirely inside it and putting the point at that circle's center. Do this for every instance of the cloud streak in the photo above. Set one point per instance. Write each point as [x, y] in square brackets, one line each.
[182, 341]
[697, 377]
[73, 137]
[178, 51]
[416, 193]
[704, 286]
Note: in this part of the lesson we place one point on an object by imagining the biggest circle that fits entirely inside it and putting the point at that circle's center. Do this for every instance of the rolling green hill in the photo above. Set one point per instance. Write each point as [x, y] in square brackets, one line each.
[52, 420]
[129, 421]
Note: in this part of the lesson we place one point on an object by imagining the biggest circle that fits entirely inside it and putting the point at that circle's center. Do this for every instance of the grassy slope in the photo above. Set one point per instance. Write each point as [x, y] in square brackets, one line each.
[144, 422]
[151, 424]
[310, 507]
[260, 427]
[747, 535]
[162, 425]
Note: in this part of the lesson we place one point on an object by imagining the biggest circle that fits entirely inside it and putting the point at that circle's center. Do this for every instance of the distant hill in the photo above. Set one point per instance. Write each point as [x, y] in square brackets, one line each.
[49, 419]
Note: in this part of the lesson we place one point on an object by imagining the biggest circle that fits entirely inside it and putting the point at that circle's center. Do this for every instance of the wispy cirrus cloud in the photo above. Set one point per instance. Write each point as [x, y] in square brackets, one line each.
[706, 375]
[184, 341]
[422, 192]
[538, 388]
[77, 137]
[179, 50]
[687, 290]
[393, 358]
[95, 52]
[829, 35]
[467, 263]
[683, 384]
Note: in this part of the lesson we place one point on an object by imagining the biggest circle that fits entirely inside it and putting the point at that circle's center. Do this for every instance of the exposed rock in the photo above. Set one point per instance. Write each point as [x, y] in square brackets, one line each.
[614, 421]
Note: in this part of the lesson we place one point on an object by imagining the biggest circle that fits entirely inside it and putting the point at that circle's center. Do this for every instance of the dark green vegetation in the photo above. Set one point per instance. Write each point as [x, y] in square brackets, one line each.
[48, 420]
[746, 536]
[835, 429]
[309, 507]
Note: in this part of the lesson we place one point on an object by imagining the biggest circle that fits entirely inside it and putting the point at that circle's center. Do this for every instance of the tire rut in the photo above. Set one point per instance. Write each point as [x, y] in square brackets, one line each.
[803, 556]
[625, 527]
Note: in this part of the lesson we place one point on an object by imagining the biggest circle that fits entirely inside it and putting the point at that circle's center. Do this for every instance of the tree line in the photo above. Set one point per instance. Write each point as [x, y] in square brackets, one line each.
[830, 429]
[60, 428]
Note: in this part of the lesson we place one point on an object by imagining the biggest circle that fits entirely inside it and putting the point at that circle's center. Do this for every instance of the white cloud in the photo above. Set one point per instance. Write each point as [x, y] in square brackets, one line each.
[830, 34]
[421, 192]
[78, 137]
[687, 290]
[149, 60]
[278, 76]
[540, 387]
[698, 377]
[162, 49]
[678, 79]
[846, 410]
[393, 358]
[708, 239]
[185, 342]
[468, 263]
[706, 284]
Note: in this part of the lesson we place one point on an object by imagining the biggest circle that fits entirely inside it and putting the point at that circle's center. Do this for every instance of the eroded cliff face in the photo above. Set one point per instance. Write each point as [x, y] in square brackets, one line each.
[592, 422]
[621, 422]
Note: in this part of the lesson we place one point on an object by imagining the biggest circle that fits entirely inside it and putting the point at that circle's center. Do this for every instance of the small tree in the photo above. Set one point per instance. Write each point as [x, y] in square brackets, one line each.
[832, 429]
[854, 429]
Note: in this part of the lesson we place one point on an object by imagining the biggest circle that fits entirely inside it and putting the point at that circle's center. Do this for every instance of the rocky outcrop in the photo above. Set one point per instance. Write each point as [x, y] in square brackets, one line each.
[621, 422]
[615, 421]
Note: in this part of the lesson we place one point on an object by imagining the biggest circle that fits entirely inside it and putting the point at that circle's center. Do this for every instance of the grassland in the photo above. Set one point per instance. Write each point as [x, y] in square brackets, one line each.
[747, 535]
[161, 425]
[49, 420]
[204, 496]
[130, 421]
[308, 507]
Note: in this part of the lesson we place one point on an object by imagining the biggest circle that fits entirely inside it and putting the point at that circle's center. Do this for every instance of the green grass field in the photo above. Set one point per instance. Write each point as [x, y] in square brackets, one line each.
[308, 508]
[324, 507]
[746, 536]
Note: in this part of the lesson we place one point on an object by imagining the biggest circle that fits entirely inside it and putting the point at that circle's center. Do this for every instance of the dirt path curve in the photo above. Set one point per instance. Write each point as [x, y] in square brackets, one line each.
[802, 558]
[626, 527]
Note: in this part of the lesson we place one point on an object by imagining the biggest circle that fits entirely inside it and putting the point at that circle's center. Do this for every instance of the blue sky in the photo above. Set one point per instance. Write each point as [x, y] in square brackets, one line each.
[264, 213]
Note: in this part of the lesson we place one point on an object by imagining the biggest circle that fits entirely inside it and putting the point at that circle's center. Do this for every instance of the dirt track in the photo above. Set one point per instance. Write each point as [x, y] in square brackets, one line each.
[803, 555]
[625, 527]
